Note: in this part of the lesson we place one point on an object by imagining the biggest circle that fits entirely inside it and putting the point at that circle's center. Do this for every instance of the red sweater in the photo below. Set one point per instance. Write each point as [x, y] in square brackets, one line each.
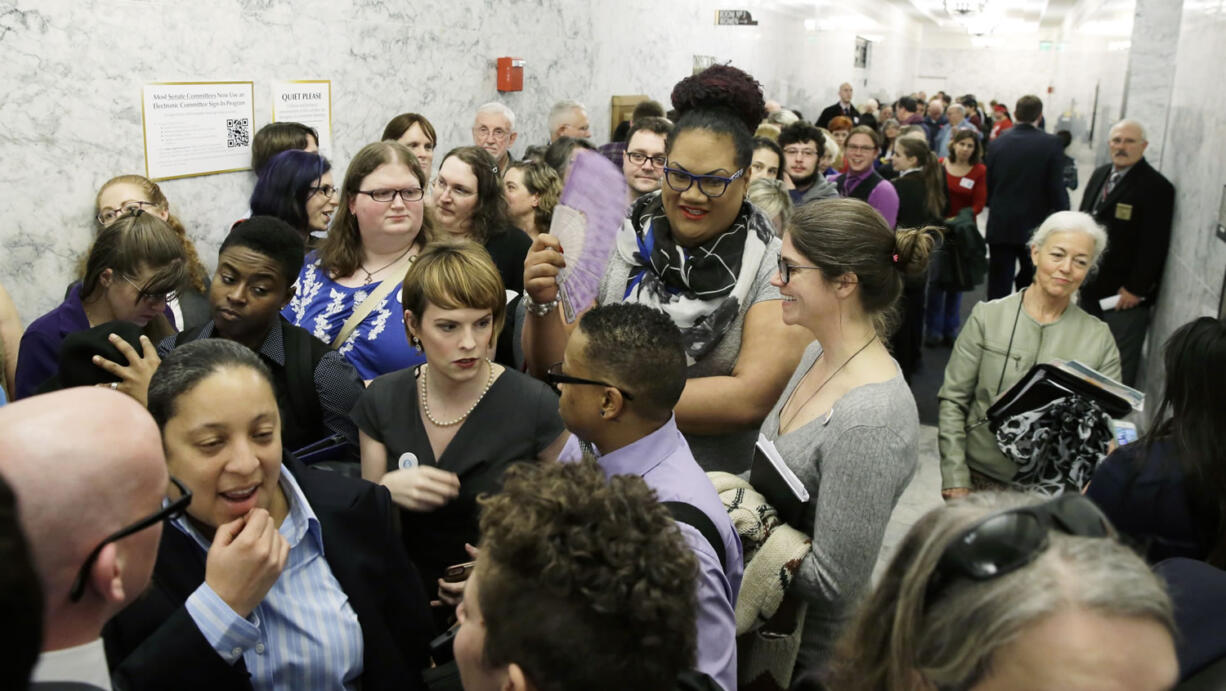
[967, 190]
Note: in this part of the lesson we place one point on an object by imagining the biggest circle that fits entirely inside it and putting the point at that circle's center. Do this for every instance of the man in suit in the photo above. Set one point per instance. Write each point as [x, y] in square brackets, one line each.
[843, 107]
[1025, 186]
[84, 463]
[1135, 204]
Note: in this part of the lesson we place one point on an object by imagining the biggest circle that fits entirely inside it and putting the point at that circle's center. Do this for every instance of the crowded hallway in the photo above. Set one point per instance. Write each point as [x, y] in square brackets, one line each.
[579, 346]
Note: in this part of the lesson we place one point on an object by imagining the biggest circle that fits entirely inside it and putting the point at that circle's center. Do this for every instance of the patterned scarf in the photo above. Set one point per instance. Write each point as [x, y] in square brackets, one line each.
[1057, 445]
[702, 288]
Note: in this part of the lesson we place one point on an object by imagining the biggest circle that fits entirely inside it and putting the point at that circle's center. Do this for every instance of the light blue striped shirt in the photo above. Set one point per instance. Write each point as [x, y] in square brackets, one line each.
[304, 635]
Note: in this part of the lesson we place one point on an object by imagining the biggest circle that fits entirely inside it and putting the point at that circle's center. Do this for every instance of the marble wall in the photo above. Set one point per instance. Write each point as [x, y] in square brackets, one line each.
[1192, 159]
[74, 70]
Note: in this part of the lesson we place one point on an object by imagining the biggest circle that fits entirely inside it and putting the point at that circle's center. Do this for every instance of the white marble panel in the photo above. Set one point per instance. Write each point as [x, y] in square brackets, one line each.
[1151, 68]
[1193, 161]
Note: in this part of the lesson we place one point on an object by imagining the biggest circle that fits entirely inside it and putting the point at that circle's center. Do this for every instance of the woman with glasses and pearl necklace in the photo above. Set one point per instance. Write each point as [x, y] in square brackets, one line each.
[348, 291]
[846, 423]
[466, 419]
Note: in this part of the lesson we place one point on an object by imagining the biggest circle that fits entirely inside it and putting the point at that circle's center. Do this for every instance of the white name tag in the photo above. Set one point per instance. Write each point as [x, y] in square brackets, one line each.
[967, 183]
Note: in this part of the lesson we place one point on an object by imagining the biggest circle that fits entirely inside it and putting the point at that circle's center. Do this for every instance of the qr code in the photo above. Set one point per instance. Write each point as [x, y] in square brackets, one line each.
[238, 133]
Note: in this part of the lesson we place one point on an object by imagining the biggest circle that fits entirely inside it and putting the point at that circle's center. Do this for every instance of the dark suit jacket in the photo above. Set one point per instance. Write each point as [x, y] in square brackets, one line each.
[154, 644]
[833, 111]
[1137, 215]
[1025, 183]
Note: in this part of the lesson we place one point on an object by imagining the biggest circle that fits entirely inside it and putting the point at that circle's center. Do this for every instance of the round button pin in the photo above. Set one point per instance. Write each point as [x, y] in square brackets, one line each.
[407, 460]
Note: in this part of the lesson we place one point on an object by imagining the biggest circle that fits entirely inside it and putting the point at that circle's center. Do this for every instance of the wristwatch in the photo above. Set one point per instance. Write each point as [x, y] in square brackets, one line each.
[536, 308]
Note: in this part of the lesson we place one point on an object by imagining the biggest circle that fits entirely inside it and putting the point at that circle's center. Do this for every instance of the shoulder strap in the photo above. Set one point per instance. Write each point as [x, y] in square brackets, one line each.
[693, 516]
[368, 305]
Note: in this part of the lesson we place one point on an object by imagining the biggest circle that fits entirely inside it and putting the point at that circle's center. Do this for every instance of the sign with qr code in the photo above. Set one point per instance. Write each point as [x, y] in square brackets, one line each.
[308, 101]
[197, 128]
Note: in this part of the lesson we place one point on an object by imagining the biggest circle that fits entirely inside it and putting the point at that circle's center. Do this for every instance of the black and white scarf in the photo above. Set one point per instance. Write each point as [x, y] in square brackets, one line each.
[1057, 445]
[702, 288]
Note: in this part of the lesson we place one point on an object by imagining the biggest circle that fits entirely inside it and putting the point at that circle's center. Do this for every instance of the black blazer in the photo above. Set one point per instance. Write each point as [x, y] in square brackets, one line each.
[154, 644]
[833, 111]
[1137, 215]
[1025, 183]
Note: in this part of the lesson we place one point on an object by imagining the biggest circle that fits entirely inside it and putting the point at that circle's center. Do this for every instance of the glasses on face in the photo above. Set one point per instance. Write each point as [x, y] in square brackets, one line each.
[1006, 541]
[168, 513]
[386, 196]
[151, 297]
[786, 269]
[638, 158]
[797, 151]
[711, 185]
[859, 147]
[329, 191]
[554, 376]
[107, 216]
[442, 188]
[484, 133]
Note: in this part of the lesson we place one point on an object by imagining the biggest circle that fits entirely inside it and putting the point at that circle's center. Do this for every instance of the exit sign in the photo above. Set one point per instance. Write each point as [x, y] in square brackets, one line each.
[734, 18]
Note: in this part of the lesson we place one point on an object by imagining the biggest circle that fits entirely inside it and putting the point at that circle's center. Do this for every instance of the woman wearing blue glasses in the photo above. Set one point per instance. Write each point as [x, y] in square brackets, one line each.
[998, 592]
[348, 293]
[704, 255]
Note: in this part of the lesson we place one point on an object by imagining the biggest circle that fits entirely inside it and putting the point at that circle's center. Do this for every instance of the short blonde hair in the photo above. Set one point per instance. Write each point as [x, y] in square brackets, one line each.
[769, 196]
[455, 275]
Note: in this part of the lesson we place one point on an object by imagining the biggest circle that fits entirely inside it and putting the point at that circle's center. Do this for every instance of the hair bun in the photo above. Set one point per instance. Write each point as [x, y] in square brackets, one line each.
[912, 248]
[722, 87]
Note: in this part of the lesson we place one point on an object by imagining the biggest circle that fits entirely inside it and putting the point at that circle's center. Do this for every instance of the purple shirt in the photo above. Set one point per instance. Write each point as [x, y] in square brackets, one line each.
[883, 198]
[38, 356]
[664, 461]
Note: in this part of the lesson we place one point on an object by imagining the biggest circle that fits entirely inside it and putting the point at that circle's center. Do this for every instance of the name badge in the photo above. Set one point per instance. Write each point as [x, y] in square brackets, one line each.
[407, 460]
[1123, 212]
[966, 183]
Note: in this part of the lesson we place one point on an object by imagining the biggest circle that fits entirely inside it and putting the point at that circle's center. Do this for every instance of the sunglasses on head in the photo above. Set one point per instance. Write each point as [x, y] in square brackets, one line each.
[1005, 541]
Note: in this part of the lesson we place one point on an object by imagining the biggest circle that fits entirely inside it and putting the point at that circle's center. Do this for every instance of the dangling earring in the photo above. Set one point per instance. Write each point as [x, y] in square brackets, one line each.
[415, 342]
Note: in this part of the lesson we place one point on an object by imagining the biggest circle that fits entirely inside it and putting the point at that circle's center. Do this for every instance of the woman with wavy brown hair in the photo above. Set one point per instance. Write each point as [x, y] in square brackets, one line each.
[380, 226]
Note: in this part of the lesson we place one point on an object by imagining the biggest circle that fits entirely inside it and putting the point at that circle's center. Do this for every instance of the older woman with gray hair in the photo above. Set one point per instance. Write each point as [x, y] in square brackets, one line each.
[998, 591]
[1004, 338]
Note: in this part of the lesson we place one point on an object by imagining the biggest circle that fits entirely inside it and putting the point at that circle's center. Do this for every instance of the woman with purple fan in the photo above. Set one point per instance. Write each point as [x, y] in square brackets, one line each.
[704, 255]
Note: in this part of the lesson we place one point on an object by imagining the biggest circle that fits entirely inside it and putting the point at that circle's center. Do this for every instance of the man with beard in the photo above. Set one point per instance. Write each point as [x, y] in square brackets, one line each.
[803, 146]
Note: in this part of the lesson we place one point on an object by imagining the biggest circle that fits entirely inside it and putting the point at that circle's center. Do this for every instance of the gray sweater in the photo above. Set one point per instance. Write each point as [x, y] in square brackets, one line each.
[855, 464]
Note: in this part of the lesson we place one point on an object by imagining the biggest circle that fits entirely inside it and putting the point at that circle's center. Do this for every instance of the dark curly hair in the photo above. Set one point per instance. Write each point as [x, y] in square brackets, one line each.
[639, 348]
[724, 100]
[490, 215]
[585, 582]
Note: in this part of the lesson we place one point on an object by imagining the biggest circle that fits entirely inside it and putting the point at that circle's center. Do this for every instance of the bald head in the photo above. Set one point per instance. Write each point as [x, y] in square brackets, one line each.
[84, 462]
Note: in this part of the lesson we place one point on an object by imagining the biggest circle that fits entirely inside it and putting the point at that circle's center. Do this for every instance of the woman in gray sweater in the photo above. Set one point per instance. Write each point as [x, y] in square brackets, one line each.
[846, 423]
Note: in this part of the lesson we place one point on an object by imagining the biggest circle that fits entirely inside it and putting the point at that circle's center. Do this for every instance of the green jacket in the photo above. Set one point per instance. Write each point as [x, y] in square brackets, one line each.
[975, 368]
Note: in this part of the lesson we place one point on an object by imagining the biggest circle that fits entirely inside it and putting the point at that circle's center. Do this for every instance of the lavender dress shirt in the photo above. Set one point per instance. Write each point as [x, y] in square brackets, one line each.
[664, 461]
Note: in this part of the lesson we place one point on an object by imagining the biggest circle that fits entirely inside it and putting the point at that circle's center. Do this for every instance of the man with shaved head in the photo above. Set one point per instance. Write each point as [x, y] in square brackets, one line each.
[85, 464]
[843, 107]
[1135, 203]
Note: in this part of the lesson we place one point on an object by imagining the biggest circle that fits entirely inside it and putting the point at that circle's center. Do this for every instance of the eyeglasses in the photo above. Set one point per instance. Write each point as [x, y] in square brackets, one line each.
[168, 513]
[386, 196]
[107, 216]
[638, 158]
[804, 153]
[1006, 541]
[458, 192]
[151, 297]
[786, 269]
[483, 133]
[857, 147]
[554, 376]
[711, 185]
[329, 190]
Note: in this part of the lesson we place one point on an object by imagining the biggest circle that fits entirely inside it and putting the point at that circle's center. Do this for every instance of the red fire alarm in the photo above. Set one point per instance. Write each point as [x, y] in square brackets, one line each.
[510, 74]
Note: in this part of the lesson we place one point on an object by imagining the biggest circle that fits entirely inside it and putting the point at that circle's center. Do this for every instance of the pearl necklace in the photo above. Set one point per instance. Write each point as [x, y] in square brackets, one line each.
[425, 403]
